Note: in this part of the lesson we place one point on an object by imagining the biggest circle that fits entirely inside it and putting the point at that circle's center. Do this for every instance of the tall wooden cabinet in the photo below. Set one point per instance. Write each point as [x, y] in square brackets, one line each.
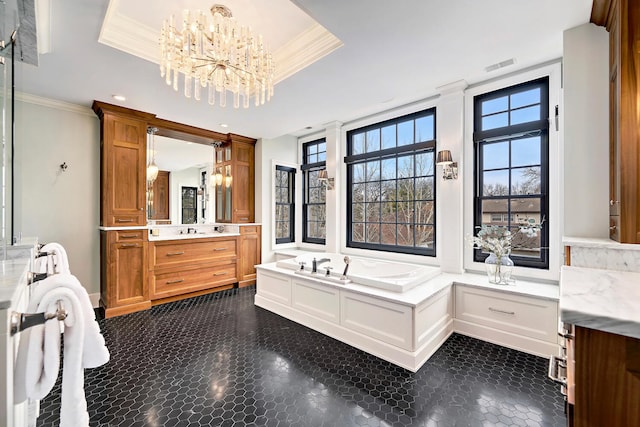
[622, 20]
[235, 193]
[250, 254]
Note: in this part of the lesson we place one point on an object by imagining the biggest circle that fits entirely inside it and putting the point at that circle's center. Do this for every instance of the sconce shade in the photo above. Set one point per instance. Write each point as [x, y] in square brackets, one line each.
[152, 172]
[323, 175]
[444, 158]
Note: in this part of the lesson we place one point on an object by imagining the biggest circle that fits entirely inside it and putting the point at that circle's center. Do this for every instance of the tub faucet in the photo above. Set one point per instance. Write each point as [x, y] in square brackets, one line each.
[347, 260]
[316, 263]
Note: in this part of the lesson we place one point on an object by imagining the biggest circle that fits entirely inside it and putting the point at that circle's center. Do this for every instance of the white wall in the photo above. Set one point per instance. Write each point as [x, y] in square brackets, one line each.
[586, 131]
[53, 205]
[283, 149]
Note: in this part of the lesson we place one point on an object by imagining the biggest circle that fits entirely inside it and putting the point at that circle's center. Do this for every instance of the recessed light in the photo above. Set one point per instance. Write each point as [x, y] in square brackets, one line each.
[119, 97]
[224, 125]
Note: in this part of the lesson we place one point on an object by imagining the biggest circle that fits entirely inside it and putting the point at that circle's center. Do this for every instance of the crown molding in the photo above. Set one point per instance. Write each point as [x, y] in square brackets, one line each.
[53, 103]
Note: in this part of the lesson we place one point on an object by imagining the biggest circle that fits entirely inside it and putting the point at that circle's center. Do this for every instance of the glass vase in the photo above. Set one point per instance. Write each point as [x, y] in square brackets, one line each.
[499, 269]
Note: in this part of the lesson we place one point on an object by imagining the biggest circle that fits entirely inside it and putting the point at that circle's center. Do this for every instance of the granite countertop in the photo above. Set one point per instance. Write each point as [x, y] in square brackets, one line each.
[605, 300]
[12, 280]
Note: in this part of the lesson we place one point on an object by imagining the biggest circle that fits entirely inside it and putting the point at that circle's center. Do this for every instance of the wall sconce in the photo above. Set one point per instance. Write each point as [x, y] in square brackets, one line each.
[449, 167]
[323, 177]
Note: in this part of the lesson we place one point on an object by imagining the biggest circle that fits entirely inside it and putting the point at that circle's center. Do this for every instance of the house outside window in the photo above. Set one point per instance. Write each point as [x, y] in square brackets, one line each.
[511, 179]
[390, 182]
[285, 204]
[314, 198]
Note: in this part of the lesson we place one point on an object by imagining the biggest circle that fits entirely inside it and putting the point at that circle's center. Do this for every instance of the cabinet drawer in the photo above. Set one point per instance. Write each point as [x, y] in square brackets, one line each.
[522, 315]
[249, 229]
[136, 219]
[192, 251]
[192, 279]
[129, 235]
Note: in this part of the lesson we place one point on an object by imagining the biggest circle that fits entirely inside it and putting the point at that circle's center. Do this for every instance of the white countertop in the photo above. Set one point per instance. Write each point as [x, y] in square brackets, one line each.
[605, 300]
[185, 236]
[415, 296]
[12, 280]
[593, 242]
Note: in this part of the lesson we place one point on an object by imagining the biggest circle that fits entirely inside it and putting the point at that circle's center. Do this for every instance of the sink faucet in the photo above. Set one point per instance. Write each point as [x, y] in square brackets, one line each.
[316, 263]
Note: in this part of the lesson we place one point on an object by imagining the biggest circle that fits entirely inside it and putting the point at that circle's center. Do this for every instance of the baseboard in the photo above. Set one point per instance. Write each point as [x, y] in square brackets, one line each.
[95, 299]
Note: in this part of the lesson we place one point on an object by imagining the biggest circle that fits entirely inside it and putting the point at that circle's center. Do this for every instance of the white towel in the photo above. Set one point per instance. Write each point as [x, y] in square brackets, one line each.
[57, 262]
[39, 349]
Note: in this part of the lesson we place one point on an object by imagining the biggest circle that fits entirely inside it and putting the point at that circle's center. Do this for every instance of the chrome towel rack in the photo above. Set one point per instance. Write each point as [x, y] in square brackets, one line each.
[21, 321]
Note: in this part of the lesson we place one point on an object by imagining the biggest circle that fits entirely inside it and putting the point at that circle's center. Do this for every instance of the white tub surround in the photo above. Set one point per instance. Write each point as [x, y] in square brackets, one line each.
[406, 328]
[605, 300]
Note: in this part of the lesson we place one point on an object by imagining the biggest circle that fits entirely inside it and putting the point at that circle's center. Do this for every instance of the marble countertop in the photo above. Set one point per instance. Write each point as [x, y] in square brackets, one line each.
[213, 235]
[415, 296]
[594, 242]
[605, 300]
[12, 280]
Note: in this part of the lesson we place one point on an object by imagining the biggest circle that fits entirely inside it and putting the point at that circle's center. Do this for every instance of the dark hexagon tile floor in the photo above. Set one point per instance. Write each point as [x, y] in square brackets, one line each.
[217, 360]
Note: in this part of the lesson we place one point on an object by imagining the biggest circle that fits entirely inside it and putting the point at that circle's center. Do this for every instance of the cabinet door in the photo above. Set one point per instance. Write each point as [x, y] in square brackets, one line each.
[125, 287]
[250, 254]
[124, 171]
[243, 182]
[159, 198]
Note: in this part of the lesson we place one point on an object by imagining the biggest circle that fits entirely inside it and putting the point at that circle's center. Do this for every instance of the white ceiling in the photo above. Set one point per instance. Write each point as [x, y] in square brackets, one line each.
[343, 59]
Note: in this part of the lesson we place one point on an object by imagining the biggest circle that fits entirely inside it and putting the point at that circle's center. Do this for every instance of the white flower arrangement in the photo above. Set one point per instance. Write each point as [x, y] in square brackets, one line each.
[499, 240]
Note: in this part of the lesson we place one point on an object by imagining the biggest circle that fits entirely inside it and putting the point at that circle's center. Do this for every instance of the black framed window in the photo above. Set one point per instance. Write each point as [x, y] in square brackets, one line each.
[314, 210]
[391, 188]
[285, 204]
[511, 139]
[189, 205]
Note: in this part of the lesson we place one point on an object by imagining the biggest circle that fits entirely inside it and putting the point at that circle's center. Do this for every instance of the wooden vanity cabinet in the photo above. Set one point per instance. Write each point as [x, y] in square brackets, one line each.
[123, 272]
[123, 180]
[622, 20]
[250, 254]
[236, 204]
[184, 268]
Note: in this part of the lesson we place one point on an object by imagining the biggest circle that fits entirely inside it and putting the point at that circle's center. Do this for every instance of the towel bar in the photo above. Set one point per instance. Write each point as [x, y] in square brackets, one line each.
[22, 321]
[36, 277]
[41, 254]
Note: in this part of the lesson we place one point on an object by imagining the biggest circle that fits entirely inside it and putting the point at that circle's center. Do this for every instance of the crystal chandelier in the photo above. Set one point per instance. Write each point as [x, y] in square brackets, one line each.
[216, 54]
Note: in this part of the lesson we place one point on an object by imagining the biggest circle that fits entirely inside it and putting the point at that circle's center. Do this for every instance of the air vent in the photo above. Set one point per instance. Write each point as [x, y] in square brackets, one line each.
[499, 65]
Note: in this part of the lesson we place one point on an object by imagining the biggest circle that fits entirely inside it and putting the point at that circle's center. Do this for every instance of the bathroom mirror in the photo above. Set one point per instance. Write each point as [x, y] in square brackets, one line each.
[183, 182]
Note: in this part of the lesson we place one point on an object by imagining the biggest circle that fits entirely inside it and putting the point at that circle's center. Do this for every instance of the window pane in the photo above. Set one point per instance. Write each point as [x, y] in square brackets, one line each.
[389, 136]
[525, 180]
[424, 164]
[388, 189]
[388, 213]
[389, 169]
[316, 213]
[405, 211]
[373, 140]
[525, 152]
[493, 210]
[525, 212]
[389, 234]
[282, 230]
[313, 179]
[373, 233]
[424, 212]
[358, 172]
[524, 115]
[316, 195]
[495, 121]
[405, 167]
[424, 189]
[424, 129]
[495, 155]
[372, 192]
[527, 97]
[425, 236]
[313, 158]
[357, 212]
[405, 189]
[322, 157]
[357, 232]
[495, 183]
[357, 193]
[405, 235]
[322, 147]
[373, 171]
[405, 133]
[357, 143]
[494, 105]
[372, 212]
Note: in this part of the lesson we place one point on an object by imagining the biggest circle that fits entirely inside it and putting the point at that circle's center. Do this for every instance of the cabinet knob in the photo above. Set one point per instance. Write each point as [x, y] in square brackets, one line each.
[613, 202]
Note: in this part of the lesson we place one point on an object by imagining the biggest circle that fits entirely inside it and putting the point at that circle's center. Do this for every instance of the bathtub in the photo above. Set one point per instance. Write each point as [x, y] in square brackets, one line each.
[387, 275]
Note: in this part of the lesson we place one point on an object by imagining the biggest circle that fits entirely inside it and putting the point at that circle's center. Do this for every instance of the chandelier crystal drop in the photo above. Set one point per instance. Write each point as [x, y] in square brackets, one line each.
[216, 55]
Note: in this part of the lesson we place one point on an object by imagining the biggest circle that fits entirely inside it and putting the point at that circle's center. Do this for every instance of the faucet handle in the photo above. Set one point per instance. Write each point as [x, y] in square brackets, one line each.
[302, 264]
[328, 271]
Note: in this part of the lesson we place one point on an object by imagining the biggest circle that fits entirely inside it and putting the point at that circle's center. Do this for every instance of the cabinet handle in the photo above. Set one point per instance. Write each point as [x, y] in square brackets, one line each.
[129, 245]
[566, 335]
[220, 249]
[124, 220]
[244, 219]
[495, 310]
[171, 282]
[175, 253]
[128, 236]
[222, 273]
[555, 364]
[612, 228]
[613, 202]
